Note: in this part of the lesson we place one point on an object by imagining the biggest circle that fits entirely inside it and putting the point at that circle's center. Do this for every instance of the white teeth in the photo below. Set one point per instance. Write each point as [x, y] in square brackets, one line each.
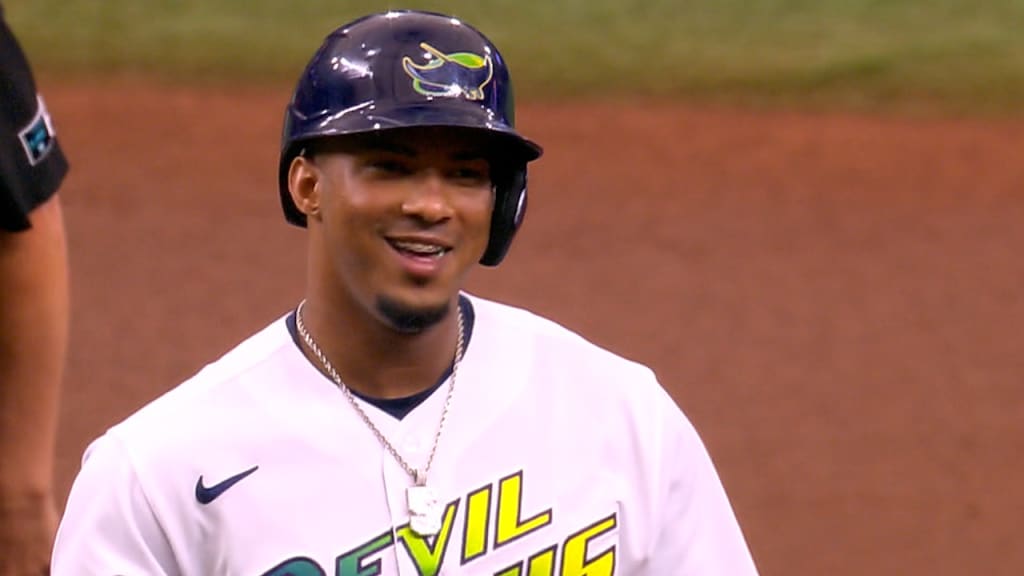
[419, 248]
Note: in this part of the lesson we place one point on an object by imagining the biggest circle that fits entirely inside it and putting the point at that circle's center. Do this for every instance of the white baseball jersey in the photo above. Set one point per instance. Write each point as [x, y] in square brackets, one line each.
[558, 458]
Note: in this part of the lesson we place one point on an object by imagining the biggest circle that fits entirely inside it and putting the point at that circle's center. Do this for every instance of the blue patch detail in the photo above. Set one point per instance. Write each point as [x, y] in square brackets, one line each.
[38, 137]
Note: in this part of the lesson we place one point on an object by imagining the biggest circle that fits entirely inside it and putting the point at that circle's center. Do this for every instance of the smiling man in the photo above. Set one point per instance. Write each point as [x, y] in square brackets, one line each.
[391, 423]
[412, 209]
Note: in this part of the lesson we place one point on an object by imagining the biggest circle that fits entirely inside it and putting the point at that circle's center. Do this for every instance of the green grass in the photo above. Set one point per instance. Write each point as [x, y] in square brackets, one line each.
[963, 56]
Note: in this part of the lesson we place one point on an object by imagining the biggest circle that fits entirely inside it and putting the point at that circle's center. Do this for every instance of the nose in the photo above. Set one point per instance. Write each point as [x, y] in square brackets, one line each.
[428, 200]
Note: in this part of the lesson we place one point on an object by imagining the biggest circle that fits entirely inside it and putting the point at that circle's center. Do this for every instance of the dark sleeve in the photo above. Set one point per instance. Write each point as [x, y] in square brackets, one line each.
[32, 164]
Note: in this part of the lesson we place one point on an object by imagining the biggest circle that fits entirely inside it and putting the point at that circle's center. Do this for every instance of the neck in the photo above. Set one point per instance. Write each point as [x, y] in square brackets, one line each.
[373, 358]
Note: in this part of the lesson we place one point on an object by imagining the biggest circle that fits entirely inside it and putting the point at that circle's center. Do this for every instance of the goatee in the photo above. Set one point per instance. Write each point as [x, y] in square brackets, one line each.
[410, 320]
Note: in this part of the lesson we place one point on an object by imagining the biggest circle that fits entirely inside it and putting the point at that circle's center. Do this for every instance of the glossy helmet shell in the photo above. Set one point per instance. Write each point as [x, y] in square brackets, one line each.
[409, 68]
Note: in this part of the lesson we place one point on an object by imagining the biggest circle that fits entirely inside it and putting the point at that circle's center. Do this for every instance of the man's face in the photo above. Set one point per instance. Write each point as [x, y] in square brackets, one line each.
[403, 216]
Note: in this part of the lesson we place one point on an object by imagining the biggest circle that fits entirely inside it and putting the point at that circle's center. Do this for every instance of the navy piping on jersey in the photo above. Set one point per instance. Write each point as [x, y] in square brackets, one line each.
[400, 407]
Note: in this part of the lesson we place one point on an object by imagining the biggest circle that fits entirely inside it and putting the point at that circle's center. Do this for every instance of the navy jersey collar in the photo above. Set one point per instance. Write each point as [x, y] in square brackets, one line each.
[400, 407]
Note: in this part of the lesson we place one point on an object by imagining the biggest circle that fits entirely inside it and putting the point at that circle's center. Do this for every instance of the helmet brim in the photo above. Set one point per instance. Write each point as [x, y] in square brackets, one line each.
[373, 117]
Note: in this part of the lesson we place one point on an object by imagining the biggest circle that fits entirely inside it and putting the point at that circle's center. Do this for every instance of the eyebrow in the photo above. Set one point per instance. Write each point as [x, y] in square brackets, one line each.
[470, 155]
[395, 147]
[378, 145]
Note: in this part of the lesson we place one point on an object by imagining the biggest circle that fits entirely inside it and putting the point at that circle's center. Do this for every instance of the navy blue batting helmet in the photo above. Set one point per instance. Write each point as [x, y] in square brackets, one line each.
[409, 68]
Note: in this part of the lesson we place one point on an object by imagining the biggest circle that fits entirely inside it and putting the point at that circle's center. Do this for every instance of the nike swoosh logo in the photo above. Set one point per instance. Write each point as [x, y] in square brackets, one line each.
[205, 494]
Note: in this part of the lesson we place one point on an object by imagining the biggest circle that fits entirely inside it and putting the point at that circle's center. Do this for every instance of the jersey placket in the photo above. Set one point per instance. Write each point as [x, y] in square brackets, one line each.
[413, 439]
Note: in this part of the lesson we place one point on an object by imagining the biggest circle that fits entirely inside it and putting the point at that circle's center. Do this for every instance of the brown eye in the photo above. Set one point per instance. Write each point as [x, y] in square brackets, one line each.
[472, 175]
[385, 167]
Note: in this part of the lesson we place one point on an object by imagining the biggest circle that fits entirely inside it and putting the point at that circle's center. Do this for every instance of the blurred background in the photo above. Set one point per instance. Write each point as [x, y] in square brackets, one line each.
[806, 216]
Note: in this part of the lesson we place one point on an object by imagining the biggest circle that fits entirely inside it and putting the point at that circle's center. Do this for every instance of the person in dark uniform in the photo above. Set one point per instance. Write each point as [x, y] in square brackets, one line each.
[34, 306]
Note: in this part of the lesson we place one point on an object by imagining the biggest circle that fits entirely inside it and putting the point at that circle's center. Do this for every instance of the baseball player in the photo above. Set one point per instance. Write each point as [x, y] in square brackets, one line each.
[392, 423]
[33, 313]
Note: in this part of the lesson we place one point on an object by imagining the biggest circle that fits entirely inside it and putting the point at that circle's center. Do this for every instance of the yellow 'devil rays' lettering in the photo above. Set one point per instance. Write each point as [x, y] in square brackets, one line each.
[574, 552]
[426, 556]
[478, 513]
[540, 564]
[509, 525]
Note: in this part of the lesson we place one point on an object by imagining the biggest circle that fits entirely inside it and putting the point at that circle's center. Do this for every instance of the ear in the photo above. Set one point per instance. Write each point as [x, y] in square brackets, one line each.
[304, 185]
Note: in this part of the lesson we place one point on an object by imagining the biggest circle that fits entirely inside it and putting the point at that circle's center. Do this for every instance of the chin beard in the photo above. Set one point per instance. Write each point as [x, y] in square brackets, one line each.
[411, 320]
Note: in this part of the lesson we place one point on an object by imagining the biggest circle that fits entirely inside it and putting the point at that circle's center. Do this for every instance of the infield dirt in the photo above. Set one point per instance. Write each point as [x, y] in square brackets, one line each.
[835, 301]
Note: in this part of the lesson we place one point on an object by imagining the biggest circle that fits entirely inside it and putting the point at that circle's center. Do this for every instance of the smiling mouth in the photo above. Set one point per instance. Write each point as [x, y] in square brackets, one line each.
[419, 249]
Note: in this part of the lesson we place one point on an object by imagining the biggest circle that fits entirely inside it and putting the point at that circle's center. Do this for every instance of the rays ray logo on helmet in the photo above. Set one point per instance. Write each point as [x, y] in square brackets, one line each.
[450, 75]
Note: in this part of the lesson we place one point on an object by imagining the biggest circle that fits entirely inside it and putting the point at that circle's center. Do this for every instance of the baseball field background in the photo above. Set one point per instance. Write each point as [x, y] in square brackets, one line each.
[806, 216]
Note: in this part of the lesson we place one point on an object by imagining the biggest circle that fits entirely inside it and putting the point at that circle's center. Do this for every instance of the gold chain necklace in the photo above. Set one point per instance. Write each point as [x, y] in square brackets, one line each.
[424, 507]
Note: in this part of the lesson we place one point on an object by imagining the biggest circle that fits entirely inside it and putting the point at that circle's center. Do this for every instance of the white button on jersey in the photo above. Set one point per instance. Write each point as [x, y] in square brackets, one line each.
[416, 447]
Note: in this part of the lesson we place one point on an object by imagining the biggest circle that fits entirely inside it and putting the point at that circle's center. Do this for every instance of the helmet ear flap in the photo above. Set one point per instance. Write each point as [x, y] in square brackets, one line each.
[510, 201]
